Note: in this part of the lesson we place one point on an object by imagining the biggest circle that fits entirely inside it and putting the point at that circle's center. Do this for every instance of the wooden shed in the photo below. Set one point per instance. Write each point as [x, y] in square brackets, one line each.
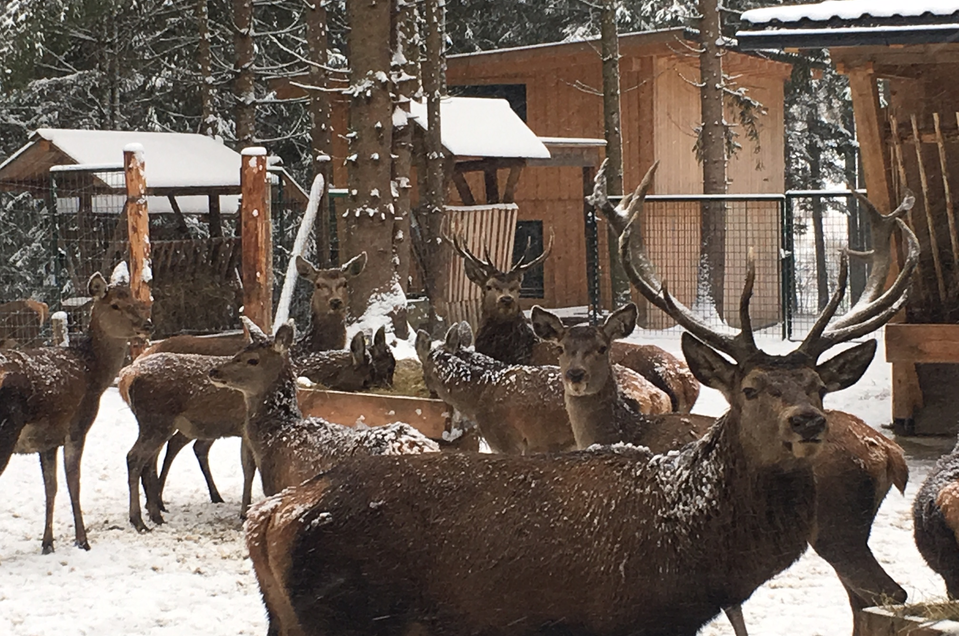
[557, 90]
[901, 60]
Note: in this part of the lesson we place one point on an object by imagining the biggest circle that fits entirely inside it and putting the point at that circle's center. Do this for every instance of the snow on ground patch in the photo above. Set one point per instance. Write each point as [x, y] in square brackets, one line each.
[193, 576]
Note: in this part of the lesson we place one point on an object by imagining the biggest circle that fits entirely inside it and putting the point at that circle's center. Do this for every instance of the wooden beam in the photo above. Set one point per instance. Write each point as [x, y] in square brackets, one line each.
[255, 227]
[138, 230]
[869, 130]
[950, 210]
[482, 165]
[930, 222]
[492, 185]
[463, 188]
[925, 343]
[509, 192]
[425, 415]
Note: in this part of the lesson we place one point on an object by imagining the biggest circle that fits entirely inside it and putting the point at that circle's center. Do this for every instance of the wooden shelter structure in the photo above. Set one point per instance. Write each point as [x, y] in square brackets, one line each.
[901, 60]
[195, 268]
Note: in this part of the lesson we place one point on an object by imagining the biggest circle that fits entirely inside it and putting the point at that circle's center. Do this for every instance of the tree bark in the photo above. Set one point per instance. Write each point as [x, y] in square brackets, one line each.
[612, 128]
[370, 216]
[243, 85]
[204, 58]
[434, 85]
[321, 139]
[713, 147]
[406, 82]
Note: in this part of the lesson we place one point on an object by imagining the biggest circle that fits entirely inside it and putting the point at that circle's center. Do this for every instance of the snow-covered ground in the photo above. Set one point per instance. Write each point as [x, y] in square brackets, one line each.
[192, 575]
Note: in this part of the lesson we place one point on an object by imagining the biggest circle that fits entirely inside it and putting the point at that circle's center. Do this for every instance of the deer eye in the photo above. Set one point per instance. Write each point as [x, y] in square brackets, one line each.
[116, 306]
[750, 393]
[602, 350]
[489, 288]
[562, 349]
[822, 392]
[253, 362]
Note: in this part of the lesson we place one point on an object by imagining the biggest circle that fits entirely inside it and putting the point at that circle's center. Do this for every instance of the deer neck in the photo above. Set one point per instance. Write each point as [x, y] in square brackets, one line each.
[507, 339]
[327, 331]
[595, 417]
[103, 354]
[465, 378]
[274, 411]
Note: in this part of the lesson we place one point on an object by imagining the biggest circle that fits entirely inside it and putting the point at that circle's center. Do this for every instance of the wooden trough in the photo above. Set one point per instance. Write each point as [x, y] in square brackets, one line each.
[909, 620]
[428, 416]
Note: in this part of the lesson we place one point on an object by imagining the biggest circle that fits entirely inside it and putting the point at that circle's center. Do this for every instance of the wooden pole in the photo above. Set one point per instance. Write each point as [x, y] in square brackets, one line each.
[950, 210]
[138, 229]
[257, 239]
[930, 222]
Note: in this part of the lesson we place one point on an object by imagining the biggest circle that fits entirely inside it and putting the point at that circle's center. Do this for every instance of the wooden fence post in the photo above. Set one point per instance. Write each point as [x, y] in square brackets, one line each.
[257, 238]
[138, 229]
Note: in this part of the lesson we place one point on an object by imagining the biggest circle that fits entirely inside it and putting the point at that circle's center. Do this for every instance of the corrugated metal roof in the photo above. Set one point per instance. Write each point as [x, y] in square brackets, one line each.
[483, 127]
[851, 10]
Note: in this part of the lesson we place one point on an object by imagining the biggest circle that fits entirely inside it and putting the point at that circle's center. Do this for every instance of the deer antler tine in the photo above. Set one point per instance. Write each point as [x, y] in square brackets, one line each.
[811, 342]
[522, 259]
[542, 257]
[746, 324]
[459, 244]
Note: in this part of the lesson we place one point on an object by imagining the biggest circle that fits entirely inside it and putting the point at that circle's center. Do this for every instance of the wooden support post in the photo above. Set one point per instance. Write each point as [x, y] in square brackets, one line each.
[950, 210]
[138, 229]
[509, 192]
[492, 185]
[930, 223]
[257, 239]
[463, 188]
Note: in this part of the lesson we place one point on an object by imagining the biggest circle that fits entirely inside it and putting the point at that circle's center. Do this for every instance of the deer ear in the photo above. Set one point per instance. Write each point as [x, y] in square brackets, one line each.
[423, 344]
[621, 322]
[355, 266]
[283, 339]
[707, 365]
[476, 274]
[844, 369]
[452, 342]
[547, 325]
[466, 334]
[97, 286]
[305, 269]
[358, 349]
[379, 339]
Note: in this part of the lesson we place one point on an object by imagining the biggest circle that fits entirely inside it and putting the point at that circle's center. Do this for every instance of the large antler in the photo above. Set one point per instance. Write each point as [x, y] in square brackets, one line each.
[484, 268]
[875, 307]
[872, 311]
[521, 267]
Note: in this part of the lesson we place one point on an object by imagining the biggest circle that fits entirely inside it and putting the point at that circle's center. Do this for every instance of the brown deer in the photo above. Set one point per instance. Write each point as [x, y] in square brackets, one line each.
[506, 335]
[329, 304]
[288, 448]
[172, 397]
[54, 393]
[857, 465]
[21, 322]
[613, 541]
[935, 515]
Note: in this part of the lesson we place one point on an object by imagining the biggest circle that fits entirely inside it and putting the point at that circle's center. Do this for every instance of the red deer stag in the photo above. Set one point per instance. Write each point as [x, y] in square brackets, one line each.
[288, 448]
[613, 541]
[506, 335]
[857, 465]
[52, 394]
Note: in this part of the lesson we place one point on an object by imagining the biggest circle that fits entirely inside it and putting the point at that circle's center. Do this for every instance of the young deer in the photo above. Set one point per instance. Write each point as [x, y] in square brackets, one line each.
[613, 541]
[288, 448]
[54, 393]
[506, 335]
[857, 465]
[329, 304]
[173, 399]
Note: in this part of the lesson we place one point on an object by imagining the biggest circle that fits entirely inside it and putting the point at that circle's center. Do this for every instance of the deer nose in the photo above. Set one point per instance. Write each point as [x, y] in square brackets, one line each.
[336, 303]
[214, 373]
[576, 375]
[506, 300]
[148, 325]
[808, 424]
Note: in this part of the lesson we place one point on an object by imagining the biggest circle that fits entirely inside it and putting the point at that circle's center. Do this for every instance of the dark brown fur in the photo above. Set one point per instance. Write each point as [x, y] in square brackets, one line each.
[328, 304]
[935, 516]
[21, 322]
[62, 388]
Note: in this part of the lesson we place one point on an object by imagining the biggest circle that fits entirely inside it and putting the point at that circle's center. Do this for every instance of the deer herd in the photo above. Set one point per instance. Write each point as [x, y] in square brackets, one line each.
[604, 506]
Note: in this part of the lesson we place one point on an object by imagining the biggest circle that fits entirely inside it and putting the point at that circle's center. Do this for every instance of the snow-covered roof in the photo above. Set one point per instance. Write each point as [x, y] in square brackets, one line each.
[482, 127]
[172, 159]
[851, 10]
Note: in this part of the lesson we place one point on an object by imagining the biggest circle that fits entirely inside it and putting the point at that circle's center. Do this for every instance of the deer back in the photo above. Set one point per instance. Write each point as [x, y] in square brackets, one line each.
[351, 370]
[21, 322]
[219, 344]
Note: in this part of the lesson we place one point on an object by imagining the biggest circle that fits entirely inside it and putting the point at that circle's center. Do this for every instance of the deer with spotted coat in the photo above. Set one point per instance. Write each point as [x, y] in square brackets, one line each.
[50, 396]
[613, 540]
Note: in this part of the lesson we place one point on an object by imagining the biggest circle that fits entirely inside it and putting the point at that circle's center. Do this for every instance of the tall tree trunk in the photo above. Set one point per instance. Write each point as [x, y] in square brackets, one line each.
[612, 129]
[434, 85]
[370, 217]
[819, 235]
[321, 138]
[406, 82]
[858, 222]
[204, 58]
[243, 84]
[713, 147]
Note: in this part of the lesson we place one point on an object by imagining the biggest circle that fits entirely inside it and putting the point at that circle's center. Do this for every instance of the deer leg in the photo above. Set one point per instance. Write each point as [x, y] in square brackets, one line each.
[201, 448]
[174, 446]
[48, 466]
[735, 616]
[151, 489]
[72, 453]
[12, 421]
[248, 463]
[153, 435]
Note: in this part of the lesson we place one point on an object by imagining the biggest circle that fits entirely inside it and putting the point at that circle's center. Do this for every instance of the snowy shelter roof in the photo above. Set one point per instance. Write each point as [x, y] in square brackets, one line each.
[483, 127]
[838, 23]
[176, 163]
